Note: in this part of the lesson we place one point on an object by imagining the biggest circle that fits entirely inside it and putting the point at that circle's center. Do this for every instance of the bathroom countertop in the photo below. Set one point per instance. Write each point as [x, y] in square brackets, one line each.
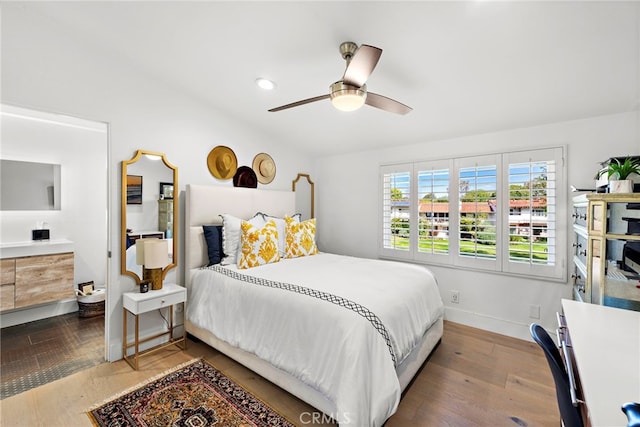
[35, 247]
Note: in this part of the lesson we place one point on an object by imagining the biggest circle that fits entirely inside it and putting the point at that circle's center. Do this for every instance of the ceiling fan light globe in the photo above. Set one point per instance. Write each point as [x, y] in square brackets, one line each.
[348, 102]
[345, 97]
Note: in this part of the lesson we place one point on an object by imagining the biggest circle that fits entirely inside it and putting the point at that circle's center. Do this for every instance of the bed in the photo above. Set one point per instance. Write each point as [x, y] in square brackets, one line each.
[301, 323]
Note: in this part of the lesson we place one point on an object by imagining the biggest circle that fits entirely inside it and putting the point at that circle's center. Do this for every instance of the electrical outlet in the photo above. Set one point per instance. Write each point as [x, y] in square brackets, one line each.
[455, 297]
[534, 311]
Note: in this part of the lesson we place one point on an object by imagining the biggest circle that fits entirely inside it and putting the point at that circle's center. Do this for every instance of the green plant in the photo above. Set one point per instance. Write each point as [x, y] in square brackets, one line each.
[621, 169]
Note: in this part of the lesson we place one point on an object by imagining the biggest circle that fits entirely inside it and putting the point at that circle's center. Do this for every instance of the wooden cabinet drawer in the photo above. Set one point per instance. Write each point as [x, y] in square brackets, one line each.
[580, 214]
[7, 296]
[597, 217]
[165, 206]
[580, 248]
[41, 279]
[579, 284]
[8, 267]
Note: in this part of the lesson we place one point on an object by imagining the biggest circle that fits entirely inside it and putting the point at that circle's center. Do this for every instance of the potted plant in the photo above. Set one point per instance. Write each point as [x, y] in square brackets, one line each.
[621, 171]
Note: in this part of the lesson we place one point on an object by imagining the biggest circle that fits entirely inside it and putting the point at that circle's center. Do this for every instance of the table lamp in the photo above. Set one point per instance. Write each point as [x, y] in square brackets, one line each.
[153, 256]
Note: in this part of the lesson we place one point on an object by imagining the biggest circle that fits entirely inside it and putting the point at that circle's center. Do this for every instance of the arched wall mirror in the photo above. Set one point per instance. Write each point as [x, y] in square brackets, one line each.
[304, 189]
[149, 208]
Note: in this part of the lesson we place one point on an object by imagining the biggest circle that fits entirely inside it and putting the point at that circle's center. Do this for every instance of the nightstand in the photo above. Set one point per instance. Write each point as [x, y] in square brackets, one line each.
[137, 303]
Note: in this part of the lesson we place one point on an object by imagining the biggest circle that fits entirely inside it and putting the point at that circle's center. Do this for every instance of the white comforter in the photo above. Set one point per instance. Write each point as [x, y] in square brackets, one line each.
[329, 347]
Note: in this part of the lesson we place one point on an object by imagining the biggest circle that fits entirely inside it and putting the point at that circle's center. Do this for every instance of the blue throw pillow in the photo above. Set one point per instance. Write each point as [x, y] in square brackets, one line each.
[213, 237]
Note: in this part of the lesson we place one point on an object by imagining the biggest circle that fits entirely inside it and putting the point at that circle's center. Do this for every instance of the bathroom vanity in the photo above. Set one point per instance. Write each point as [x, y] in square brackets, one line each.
[34, 273]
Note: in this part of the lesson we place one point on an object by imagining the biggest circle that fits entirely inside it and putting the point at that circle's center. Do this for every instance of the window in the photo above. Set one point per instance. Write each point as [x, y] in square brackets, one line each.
[499, 212]
[536, 237]
[396, 210]
[476, 192]
[433, 218]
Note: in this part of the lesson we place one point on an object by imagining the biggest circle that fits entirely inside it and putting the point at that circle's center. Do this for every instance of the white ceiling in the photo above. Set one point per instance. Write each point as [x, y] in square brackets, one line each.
[465, 67]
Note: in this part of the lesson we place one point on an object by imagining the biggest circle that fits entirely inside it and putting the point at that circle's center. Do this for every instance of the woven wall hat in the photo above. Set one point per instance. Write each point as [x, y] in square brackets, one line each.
[222, 162]
[264, 167]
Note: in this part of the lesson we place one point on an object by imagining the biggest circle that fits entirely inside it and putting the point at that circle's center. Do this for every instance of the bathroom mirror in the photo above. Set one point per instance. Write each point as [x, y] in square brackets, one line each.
[29, 186]
[304, 189]
[146, 213]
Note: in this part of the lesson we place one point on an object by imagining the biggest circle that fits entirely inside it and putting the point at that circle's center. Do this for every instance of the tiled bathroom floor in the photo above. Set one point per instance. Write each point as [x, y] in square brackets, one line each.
[39, 352]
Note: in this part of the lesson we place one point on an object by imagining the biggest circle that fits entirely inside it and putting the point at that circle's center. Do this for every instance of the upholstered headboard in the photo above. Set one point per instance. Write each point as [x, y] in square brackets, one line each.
[205, 203]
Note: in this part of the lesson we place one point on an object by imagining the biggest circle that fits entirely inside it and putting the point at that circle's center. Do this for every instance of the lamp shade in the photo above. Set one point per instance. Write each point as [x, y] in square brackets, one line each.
[140, 251]
[152, 253]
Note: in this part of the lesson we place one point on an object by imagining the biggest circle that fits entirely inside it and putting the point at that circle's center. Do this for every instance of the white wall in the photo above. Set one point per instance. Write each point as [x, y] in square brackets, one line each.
[45, 68]
[348, 199]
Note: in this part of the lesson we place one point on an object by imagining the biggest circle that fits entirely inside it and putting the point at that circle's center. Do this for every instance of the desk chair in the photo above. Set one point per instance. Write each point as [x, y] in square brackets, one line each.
[632, 411]
[570, 414]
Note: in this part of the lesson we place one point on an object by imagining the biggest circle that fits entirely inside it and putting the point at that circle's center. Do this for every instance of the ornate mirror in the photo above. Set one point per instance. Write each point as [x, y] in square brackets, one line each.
[304, 195]
[149, 208]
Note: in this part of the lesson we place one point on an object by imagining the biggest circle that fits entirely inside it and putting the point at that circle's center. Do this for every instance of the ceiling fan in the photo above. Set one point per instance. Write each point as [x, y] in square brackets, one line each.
[350, 93]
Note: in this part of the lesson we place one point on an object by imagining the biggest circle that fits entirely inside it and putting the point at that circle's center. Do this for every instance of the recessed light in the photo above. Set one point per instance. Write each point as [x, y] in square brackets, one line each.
[265, 84]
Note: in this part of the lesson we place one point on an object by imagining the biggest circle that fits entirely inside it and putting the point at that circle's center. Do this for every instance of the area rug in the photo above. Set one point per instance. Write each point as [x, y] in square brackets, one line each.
[194, 394]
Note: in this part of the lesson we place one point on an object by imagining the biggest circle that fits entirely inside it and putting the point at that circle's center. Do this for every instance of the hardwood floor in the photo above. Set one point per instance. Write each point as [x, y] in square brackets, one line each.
[478, 378]
[474, 378]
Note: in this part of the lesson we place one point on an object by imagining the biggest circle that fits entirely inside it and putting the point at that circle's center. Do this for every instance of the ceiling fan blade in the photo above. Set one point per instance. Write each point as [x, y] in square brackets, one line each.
[361, 65]
[387, 104]
[297, 103]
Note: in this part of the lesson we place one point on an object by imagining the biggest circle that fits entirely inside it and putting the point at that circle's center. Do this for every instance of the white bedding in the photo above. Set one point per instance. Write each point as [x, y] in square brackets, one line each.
[346, 353]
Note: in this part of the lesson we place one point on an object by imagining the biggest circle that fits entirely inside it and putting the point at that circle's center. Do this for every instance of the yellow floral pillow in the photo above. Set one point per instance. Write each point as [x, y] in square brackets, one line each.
[259, 246]
[300, 237]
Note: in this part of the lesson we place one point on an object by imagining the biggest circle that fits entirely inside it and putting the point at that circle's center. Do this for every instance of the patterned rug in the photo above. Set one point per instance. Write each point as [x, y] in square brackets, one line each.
[191, 395]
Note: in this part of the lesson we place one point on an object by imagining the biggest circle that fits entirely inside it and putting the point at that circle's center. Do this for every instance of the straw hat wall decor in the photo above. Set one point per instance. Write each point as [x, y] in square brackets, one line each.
[264, 167]
[222, 162]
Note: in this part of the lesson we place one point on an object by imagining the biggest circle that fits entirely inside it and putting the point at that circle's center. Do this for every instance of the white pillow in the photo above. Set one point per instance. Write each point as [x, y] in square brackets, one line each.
[281, 226]
[231, 236]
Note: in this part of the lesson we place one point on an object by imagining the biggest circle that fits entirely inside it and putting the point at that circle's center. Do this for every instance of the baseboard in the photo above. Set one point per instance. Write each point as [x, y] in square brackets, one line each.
[488, 323]
[44, 311]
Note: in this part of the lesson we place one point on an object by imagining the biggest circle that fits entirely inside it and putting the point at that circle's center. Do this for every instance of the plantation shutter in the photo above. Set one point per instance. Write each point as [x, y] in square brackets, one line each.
[535, 229]
[502, 212]
[477, 184]
[432, 211]
[396, 210]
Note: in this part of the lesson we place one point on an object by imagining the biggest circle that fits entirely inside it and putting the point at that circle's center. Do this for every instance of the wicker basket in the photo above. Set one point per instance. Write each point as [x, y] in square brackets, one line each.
[91, 309]
[92, 305]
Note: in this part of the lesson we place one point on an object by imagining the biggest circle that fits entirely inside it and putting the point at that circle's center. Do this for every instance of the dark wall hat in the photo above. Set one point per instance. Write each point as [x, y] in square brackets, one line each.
[245, 177]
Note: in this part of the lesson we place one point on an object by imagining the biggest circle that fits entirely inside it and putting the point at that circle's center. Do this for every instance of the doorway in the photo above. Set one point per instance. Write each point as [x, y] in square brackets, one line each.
[80, 149]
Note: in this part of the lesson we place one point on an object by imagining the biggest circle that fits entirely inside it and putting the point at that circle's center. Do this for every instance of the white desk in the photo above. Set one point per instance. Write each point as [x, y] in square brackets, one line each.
[606, 345]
